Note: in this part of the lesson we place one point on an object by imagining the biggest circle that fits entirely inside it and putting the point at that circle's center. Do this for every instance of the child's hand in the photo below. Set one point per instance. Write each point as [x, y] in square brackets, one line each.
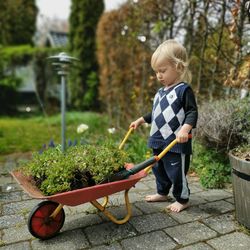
[135, 124]
[182, 135]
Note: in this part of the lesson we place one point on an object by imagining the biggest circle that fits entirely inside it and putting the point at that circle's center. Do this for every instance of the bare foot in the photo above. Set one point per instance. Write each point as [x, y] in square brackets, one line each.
[177, 207]
[156, 197]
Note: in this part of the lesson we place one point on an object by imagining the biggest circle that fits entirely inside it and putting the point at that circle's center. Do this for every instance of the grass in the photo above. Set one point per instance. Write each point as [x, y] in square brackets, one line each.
[243, 229]
[29, 134]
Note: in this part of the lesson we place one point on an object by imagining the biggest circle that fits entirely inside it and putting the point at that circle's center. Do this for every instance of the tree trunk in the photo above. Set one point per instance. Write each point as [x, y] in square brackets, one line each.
[172, 19]
[216, 65]
[203, 48]
[190, 27]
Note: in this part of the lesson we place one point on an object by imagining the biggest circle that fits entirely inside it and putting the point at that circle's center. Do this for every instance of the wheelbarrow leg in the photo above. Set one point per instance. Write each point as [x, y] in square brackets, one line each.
[105, 202]
[56, 211]
[109, 215]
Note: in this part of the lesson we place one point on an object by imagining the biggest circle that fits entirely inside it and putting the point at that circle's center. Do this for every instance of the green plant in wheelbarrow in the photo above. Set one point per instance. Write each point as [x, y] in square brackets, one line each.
[80, 166]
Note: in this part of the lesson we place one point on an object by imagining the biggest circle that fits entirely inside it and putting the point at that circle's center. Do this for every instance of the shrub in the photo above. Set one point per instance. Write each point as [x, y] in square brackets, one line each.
[80, 166]
[213, 168]
[224, 124]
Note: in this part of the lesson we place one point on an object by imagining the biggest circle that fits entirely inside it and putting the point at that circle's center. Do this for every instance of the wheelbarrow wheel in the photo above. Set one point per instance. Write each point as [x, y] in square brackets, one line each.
[41, 225]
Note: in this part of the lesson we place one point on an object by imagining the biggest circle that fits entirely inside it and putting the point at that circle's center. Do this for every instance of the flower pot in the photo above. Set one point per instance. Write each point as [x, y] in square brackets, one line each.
[241, 189]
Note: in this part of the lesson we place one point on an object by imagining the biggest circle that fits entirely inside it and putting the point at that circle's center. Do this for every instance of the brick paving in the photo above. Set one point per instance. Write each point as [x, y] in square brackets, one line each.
[208, 223]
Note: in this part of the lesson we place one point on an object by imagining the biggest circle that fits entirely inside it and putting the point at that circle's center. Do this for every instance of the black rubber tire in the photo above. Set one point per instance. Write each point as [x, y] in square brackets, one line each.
[41, 225]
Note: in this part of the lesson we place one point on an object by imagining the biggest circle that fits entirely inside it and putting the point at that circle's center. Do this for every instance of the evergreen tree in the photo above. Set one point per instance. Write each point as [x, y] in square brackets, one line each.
[82, 41]
[17, 21]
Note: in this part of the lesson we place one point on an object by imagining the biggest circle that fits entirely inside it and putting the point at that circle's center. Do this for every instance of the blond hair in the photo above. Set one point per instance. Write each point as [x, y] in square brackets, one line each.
[174, 53]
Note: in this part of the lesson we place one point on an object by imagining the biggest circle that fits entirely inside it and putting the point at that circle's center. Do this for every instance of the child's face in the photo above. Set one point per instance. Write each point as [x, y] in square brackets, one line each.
[166, 73]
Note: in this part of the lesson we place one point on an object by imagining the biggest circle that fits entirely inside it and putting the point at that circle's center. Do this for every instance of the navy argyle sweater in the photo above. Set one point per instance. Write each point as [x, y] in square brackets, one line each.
[169, 114]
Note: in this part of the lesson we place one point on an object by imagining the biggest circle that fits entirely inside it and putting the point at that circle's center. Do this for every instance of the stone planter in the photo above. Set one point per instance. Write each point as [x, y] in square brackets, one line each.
[241, 189]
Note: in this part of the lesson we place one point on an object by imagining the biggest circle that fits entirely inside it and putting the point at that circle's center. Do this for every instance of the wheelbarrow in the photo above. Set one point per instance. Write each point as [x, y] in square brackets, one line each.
[47, 218]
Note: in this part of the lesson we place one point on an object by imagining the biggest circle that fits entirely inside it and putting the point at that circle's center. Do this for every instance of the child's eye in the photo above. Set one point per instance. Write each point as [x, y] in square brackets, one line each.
[162, 70]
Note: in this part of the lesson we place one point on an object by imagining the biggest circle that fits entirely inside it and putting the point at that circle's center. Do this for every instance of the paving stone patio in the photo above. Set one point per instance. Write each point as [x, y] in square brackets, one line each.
[208, 223]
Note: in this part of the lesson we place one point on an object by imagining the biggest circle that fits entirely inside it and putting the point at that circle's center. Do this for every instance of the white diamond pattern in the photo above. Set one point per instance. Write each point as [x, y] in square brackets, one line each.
[168, 114]
[153, 129]
[181, 114]
[166, 131]
[157, 111]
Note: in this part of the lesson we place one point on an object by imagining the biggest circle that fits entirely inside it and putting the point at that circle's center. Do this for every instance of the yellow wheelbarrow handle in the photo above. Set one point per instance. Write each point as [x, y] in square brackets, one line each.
[158, 157]
[125, 138]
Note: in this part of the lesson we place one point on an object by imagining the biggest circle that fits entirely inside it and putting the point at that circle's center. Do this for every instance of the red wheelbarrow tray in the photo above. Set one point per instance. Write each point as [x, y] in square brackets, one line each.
[79, 196]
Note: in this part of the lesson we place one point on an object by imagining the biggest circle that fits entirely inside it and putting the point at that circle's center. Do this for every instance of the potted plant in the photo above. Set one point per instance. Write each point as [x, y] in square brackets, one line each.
[239, 156]
[240, 163]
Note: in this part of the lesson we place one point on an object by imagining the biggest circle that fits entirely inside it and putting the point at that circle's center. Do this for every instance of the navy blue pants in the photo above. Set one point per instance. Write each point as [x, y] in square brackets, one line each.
[171, 171]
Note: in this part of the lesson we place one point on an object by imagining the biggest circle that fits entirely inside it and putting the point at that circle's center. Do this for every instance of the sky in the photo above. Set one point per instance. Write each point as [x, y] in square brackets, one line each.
[61, 8]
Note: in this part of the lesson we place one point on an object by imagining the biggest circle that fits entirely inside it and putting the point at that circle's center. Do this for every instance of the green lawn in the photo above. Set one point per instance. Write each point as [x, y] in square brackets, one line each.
[30, 134]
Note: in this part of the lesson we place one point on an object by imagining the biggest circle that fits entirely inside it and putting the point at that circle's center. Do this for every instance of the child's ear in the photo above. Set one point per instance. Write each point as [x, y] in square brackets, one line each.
[179, 67]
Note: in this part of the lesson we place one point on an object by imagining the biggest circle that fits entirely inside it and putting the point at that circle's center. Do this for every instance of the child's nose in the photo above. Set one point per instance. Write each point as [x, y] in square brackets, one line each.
[158, 74]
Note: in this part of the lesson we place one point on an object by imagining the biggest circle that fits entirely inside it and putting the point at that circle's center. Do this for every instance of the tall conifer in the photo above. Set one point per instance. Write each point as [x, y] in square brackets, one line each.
[82, 42]
[17, 21]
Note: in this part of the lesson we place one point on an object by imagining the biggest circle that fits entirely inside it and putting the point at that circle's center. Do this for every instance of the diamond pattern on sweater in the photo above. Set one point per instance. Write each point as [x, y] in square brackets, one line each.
[165, 131]
[168, 115]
